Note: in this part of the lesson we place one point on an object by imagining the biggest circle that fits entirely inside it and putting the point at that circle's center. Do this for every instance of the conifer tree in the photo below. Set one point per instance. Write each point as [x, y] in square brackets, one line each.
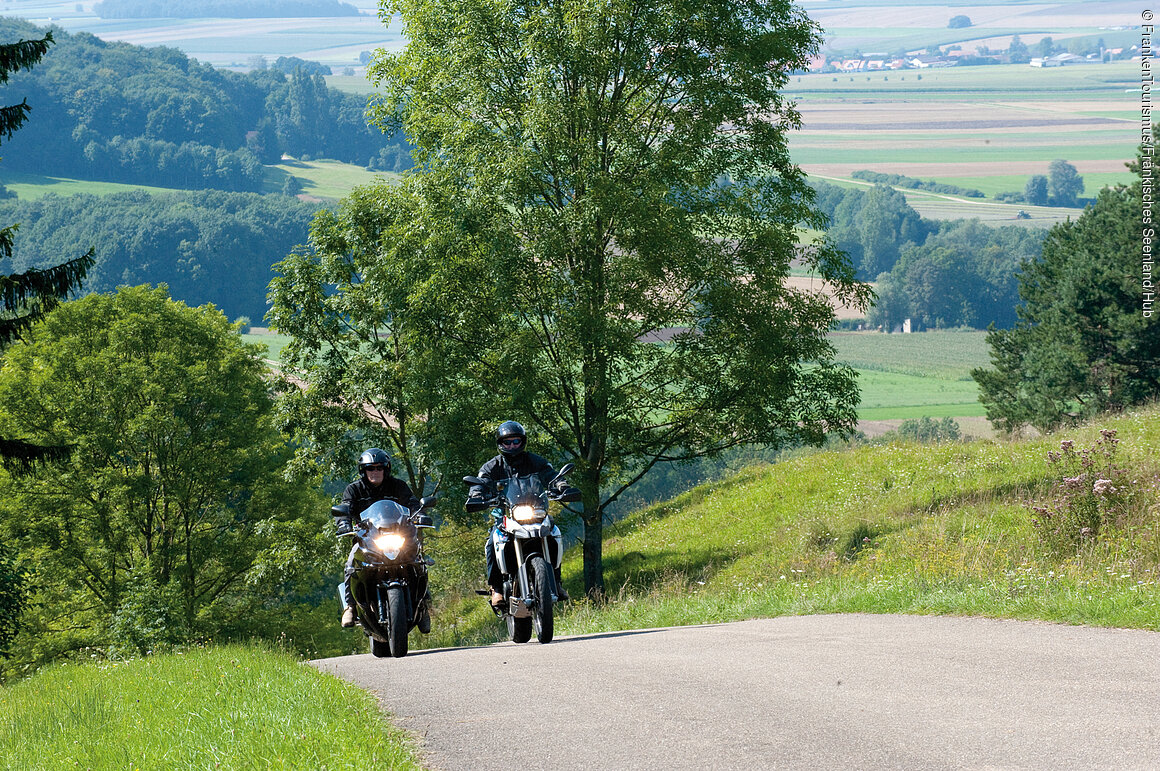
[25, 297]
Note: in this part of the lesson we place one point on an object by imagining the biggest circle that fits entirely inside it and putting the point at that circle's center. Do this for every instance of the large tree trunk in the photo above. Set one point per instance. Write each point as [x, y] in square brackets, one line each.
[593, 537]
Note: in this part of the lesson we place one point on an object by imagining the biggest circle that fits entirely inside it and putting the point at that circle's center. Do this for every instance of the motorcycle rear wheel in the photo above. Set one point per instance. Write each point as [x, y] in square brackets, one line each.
[542, 584]
[397, 620]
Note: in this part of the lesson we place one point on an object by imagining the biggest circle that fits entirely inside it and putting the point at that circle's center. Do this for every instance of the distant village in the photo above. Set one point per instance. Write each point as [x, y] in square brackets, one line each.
[954, 56]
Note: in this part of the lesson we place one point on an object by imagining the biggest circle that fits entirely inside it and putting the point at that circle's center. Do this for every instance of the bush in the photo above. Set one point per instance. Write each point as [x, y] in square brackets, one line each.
[1092, 493]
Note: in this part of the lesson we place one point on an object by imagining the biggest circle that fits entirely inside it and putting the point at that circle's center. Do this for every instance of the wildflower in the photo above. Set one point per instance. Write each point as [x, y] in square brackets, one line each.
[1103, 487]
[1067, 444]
[1073, 482]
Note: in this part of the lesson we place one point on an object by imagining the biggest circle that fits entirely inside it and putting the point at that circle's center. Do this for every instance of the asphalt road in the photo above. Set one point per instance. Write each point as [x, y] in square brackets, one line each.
[807, 692]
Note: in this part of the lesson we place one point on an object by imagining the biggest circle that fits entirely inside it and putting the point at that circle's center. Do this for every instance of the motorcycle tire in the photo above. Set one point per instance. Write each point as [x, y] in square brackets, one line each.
[519, 629]
[397, 618]
[542, 585]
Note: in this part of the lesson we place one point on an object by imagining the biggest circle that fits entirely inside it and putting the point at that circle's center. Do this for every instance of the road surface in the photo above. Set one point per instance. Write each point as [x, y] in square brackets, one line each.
[807, 692]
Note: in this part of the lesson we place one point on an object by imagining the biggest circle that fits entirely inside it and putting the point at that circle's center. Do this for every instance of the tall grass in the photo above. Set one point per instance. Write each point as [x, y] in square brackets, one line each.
[903, 528]
[234, 707]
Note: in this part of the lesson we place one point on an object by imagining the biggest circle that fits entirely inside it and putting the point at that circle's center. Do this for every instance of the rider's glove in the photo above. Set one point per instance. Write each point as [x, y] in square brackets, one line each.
[342, 526]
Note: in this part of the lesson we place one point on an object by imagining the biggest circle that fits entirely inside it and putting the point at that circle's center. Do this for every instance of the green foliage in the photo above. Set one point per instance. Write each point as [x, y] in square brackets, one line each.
[1064, 184]
[963, 275]
[153, 116]
[899, 180]
[173, 497]
[26, 296]
[13, 596]
[1092, 493]
[926, 430]
[239, 707]
[611, 207]
[1035, 192]
[959, 22]
[1083, 343]
[206, 246]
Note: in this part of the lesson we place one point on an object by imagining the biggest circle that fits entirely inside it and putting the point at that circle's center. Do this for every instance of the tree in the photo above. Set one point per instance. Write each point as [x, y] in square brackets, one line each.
[1017, 52]
[174, 491]
[1036, 190]
[636, 209]
[25, 297]
[1083, 343]
[1064, 184]
[959, 22]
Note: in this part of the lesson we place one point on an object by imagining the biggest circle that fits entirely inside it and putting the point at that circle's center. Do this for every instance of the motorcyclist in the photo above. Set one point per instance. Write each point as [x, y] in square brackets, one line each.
[513, 461]
[375, 483]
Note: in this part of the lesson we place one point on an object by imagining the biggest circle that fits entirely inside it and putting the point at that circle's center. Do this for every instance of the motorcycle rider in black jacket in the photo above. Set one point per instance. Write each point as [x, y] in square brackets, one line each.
[375, 483]
[513, 461]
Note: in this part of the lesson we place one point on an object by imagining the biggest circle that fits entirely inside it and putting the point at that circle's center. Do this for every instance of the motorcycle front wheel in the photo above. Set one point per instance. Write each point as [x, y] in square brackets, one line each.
[542, 583]
[397, 618]
[380, 650]
[519, 629]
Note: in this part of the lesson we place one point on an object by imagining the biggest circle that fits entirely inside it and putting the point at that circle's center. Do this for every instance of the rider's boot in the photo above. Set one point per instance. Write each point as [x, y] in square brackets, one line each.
[425, 619]
[348, 617]
[561, 592]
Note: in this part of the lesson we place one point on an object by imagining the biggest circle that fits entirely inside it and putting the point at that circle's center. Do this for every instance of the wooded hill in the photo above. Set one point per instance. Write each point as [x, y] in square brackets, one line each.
[125, 113]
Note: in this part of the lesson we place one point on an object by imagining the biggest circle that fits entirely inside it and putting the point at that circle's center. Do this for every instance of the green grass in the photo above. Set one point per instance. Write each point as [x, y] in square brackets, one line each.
[322, 179]
[231, 707]
[899, 528]
[33, 186]
[274, 344]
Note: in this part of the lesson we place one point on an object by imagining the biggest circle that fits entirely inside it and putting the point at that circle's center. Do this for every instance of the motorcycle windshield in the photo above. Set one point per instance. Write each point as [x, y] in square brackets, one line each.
[386, 514]
[526, 491]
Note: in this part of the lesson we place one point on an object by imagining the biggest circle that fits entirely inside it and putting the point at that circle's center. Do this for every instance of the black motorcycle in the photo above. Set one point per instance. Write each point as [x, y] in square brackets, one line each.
[528, 549]
[390, 584]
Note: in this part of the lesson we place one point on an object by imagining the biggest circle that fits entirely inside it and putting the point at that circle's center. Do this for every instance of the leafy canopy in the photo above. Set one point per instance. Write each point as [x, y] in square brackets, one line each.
[631, 214]
[1083, 343]
[173, 496]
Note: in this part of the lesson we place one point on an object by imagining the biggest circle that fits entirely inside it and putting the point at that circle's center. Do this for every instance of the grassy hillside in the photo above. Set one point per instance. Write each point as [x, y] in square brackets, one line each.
[229, 707]
[902, 528]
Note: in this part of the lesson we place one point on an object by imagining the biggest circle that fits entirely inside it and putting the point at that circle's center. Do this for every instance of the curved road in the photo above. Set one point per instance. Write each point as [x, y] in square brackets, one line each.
[804, 692]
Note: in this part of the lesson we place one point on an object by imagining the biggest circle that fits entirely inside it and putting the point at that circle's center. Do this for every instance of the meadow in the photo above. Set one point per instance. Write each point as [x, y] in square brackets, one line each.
[215, 707]
[321, 180]
[896, 528]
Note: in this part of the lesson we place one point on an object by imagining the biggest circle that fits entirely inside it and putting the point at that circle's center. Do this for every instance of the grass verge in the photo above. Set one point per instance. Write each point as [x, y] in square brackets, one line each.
[901, 528]
[230, 707]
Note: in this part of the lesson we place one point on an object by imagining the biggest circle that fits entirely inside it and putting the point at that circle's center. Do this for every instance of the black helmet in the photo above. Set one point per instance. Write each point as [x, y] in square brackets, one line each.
[511, 430]
[374, 457]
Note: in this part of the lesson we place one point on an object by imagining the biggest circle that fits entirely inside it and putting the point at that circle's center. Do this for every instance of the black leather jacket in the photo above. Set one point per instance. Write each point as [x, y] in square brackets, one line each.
[525, 464]
[360, 495]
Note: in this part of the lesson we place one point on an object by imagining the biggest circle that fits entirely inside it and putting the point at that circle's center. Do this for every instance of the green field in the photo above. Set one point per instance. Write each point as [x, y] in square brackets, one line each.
[323, 179]
[926, 374]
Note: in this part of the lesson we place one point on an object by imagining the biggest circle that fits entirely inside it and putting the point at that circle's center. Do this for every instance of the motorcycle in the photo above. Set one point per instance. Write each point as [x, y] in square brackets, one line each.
[390, 583]
[528, 549]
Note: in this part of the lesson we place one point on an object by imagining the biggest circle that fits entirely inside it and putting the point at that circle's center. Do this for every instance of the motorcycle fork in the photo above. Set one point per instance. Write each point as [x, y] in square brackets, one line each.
[524, 593]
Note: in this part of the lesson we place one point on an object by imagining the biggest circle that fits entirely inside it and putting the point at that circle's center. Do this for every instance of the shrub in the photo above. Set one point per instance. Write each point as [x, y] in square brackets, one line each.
[1093, 492]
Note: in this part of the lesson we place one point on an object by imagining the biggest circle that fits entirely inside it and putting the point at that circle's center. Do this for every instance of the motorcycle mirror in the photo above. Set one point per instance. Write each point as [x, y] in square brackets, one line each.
[341, 510]
[428, 502]
[567, 467]
[474, 481]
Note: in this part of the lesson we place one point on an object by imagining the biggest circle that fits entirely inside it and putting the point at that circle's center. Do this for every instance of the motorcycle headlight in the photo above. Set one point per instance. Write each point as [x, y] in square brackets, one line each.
[527, 514]
[389, 542]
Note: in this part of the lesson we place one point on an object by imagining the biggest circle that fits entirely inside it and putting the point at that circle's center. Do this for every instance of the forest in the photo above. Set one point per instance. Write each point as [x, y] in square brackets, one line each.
[207, 246]
[939, 274]
[123, 113]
